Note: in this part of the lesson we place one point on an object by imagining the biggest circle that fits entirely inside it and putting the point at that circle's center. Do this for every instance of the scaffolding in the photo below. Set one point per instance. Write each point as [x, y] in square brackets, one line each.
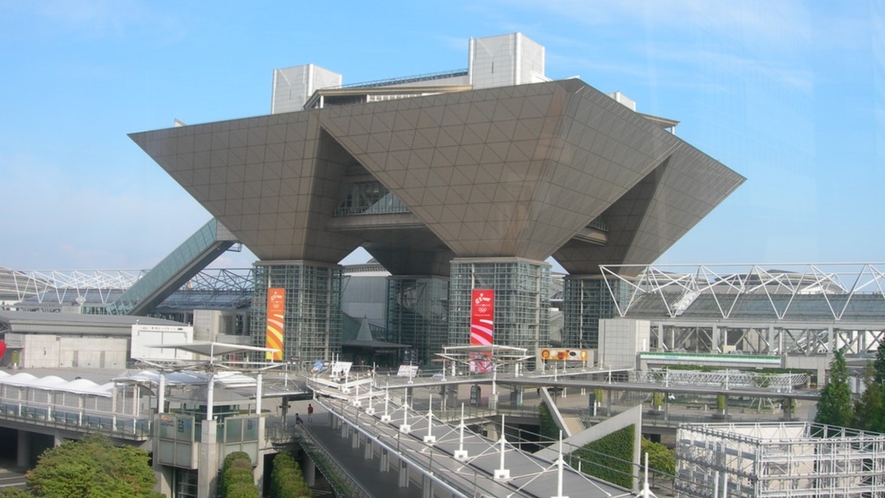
[790, 459]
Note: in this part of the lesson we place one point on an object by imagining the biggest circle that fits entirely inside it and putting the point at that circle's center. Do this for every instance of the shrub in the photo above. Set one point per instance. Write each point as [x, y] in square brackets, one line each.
[237, 478]
[286, 478]
[241, 490]
[235, 456]
[549, 430]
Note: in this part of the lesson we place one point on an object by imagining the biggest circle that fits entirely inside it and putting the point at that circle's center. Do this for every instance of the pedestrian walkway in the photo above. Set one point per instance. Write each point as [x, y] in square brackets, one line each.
[366, 472]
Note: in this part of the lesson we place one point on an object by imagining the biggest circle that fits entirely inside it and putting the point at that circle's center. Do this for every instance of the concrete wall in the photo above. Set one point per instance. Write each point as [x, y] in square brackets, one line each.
[633, 416]
[292, 86]
[54, 351]
[208, 324]
[621, 340]
[505, 60]
[819, 364]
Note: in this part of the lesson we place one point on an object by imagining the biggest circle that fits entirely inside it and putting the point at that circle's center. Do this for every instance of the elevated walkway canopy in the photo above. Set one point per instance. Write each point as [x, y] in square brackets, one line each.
[176, 269]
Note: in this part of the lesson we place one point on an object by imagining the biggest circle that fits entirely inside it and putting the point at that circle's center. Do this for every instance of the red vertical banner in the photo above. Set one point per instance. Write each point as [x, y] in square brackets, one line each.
[482, 326]
[276, 311]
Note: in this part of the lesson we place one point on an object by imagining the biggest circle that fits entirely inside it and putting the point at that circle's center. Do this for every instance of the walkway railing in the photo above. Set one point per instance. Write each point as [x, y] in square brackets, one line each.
[342, 482]
[34, 413]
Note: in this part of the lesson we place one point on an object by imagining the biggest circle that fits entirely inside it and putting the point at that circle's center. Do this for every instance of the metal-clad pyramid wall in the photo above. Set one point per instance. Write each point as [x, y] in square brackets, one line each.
[513, 171]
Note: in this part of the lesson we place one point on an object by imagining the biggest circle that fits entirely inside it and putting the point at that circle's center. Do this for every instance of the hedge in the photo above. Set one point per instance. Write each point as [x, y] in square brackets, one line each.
[237, 478]
[610, 457]
[286, 479]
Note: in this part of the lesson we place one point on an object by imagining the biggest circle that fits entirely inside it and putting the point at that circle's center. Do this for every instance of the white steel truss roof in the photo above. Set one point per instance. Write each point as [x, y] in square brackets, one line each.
[66, 286]
[678, 286]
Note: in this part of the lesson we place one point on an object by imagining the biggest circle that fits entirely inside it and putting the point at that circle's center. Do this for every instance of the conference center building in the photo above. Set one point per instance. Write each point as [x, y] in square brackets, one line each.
[455, 182]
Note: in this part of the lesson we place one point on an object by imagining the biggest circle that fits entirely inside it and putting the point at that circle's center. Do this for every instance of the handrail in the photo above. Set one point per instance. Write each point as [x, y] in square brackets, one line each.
[37, 413]
[329, 466]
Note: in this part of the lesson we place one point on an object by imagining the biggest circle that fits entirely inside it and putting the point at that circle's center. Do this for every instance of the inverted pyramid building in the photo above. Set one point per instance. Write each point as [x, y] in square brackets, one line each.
[440, 176]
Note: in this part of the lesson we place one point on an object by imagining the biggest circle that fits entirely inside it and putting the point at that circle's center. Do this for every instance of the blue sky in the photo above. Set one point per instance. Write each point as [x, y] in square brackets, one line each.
[789, 94]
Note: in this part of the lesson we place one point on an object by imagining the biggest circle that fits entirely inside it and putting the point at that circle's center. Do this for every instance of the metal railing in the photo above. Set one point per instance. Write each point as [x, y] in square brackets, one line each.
[341, 481]
[125, 427]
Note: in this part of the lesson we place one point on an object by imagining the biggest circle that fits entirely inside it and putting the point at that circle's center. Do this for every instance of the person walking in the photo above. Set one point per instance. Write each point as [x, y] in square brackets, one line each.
[309, 412]
[298, 420]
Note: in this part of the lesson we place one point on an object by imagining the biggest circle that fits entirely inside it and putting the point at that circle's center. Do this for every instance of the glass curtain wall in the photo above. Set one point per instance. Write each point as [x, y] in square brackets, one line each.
[312, 322]
[417, 314]
[522, 289]
[586, 300]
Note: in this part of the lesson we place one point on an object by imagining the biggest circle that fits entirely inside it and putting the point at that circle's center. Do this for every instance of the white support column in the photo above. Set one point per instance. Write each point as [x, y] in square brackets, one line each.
[426, 486]
[405, 428]
[493, 397]
[161, 394]
[403, 474]
[430, 438]
[384, 461]
[210, 396]
[646, 490]
[208, 460]
[502, 473]
[369, 451]
[714, 340]
[559, 464]
[386, 417]
[370, 410]
[258, 393]
[460, 453]
[135, 400]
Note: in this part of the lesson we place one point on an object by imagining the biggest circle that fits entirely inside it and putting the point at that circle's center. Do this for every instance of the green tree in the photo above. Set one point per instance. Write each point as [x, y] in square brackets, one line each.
[660, 458]
[92, 467]
[834, 406]
[657, 399]
[549, 430]
[869, 409]
[721, 402]
[879, 364]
